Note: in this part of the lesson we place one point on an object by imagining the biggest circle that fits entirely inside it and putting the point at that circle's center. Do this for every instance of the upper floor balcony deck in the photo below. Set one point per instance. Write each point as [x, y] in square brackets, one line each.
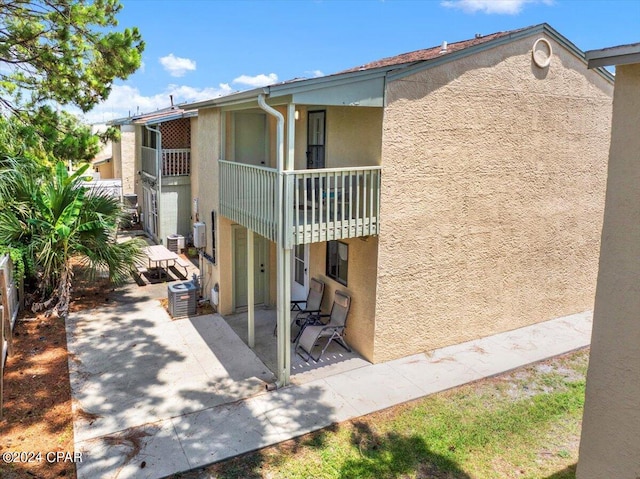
[318, 205]
[175, 162]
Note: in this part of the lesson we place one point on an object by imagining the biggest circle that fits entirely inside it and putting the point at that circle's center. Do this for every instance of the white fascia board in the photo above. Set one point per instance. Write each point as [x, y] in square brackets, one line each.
[369, 92]
[291, 89]
[230, 99]
[619, 55]
[329, 81]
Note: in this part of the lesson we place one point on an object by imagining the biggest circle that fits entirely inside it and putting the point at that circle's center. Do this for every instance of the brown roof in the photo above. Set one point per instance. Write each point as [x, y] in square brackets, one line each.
[429, 53]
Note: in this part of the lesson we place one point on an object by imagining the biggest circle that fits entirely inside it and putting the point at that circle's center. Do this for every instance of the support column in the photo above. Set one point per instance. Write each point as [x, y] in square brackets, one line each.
[284, 315]
[250, 290]
[291, 137]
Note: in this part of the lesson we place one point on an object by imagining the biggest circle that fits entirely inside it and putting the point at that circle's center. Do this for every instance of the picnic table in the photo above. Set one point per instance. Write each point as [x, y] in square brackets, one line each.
[159, 255]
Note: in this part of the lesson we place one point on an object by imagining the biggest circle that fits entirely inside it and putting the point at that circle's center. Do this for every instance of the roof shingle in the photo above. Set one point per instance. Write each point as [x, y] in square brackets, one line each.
[428, 53]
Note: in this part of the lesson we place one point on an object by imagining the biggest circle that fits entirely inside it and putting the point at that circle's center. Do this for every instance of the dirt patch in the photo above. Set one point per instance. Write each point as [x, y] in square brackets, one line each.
[37, 404]
[201, 309]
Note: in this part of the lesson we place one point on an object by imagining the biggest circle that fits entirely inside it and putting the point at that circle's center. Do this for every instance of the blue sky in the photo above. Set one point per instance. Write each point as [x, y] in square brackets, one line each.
[199, 49]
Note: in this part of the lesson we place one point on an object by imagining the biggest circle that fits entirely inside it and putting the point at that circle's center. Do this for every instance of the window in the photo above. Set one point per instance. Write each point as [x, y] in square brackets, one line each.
[149, 138]
[337, 261]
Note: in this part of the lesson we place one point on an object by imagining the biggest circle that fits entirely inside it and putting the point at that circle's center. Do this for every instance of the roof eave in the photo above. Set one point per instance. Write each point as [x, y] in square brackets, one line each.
[619, 55]
[293, 87]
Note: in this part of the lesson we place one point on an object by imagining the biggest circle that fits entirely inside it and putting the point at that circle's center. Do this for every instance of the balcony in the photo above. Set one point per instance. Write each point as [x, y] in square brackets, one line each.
[175, 162]
[319, 205]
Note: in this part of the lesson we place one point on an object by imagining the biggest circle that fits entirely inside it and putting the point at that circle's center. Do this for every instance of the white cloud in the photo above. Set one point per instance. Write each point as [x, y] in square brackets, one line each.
[501, 7]
[258, 80]
[126, 100]
[177, 66]
[315, 73]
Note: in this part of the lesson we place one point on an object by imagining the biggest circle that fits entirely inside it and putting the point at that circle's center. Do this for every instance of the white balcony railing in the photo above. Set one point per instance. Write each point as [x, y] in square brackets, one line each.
[248, 195]
[332, 203]
[319, 205]
[175, 162]
[149, 161]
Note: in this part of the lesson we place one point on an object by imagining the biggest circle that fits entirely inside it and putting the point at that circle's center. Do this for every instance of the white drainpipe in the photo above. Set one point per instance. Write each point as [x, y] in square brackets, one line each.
[283, 259]
[159, 177]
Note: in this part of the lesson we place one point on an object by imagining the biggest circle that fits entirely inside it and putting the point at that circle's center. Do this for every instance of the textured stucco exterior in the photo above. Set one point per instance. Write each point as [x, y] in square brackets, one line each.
[361, 286]
[610, 444]
[492, 197]
[205, 152]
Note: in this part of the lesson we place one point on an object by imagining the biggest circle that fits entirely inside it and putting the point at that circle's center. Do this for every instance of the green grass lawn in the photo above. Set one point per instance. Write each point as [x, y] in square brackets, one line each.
[524, 424]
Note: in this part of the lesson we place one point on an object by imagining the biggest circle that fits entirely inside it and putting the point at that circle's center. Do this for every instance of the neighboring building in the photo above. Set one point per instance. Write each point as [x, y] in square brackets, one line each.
[453, 192]
[102, 164]
[164, 192]
[123, 156]
[610, 444]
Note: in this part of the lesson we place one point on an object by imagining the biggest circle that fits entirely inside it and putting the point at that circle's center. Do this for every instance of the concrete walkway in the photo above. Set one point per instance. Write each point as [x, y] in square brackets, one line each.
[173, 441]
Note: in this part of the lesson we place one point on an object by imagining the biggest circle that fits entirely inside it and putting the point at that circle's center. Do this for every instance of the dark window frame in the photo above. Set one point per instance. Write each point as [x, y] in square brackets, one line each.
[336, 268]
[214, 256]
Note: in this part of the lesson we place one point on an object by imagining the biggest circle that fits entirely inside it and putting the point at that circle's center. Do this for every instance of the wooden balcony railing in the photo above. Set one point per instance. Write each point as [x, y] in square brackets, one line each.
[319, 205]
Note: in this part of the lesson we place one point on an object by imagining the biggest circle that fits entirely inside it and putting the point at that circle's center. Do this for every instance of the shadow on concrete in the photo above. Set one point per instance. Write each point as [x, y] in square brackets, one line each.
[169, 394]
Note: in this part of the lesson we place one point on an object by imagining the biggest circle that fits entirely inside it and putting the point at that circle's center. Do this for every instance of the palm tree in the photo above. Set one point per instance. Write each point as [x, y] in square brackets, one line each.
[58, 219]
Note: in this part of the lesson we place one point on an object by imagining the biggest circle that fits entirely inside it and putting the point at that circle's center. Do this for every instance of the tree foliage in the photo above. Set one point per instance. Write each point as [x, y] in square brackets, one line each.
[65, 51]
[52, 217]
[47, 137]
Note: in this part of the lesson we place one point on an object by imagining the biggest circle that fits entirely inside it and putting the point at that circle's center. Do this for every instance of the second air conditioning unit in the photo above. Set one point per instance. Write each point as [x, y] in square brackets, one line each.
[175, 243]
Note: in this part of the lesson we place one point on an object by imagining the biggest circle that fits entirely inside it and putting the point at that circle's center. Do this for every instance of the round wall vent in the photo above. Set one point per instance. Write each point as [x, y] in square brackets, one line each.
[542, 53]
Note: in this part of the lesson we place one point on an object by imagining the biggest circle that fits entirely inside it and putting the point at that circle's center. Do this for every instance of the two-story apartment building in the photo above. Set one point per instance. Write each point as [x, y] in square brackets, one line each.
[453, 192]
[158, 156]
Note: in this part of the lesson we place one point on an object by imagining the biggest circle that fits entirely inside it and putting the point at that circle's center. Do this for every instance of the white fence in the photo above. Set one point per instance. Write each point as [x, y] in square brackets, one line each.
[8, 314]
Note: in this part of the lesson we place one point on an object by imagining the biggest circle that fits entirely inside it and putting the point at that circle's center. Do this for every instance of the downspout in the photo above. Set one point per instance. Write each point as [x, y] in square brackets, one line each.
[158, 177]
[284, 330]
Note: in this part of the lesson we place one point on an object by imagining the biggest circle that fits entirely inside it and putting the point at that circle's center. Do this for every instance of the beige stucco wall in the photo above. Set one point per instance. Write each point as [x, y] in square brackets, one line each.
[361, 285]
[610, 445]
[492, 197]
[353, 136]
[205, 152]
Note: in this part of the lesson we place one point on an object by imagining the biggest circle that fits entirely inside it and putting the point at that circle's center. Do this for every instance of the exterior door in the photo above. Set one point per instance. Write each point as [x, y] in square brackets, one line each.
[150, 211]
[300, 272]
[260, 272]
[316, 139]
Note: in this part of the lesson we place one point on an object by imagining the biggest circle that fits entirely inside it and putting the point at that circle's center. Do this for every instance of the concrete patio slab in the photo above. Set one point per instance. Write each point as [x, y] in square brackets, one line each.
[225, 431]
[334, 361]
[133, 367]
[298, 410]
[190, 393]
[155, 447]
[373, 388]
